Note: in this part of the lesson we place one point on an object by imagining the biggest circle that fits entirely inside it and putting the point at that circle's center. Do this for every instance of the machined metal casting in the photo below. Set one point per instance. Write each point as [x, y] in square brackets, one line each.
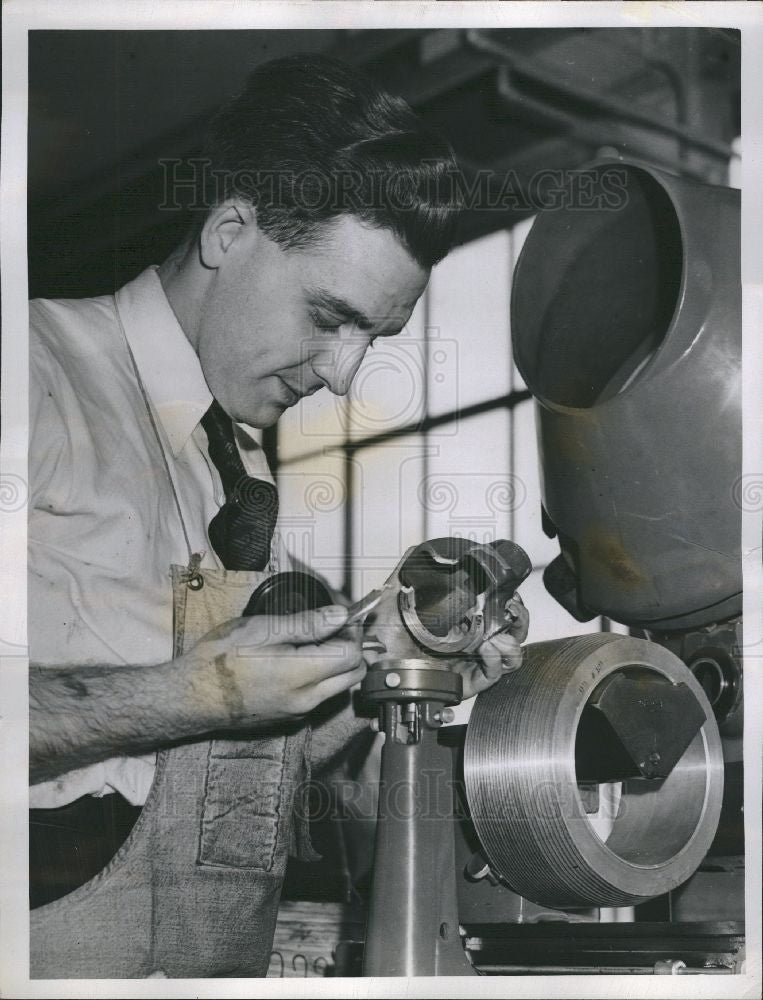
[453, 593]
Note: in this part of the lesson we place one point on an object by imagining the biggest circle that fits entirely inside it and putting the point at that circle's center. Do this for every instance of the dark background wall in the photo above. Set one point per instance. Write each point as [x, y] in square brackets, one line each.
[106, 107]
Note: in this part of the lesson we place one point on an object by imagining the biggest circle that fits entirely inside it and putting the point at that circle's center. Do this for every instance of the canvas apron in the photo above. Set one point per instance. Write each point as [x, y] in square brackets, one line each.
[194, 890]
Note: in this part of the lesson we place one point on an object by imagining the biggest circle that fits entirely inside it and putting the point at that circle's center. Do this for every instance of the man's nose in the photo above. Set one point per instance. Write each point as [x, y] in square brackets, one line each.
[339, 370]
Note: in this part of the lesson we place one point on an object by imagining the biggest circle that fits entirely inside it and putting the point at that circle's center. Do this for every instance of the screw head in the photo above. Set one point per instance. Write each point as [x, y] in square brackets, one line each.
[447, 715]
[392, 679]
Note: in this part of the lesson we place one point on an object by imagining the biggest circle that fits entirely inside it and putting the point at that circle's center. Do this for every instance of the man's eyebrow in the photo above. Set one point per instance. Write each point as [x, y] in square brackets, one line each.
[340, 307]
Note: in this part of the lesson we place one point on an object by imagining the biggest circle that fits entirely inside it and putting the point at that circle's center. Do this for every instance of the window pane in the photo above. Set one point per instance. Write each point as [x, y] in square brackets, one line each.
[549, 620]
[527, 517]
[311, 513]
[387, 515]
[469, 358]
[617, 628]
[315, 423]
[466, 489]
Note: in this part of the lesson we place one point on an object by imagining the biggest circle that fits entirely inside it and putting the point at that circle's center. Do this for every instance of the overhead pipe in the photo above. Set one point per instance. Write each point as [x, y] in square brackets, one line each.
[616, 109]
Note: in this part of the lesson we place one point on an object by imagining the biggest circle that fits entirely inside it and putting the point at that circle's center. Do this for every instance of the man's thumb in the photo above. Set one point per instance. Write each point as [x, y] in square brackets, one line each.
[314, 626]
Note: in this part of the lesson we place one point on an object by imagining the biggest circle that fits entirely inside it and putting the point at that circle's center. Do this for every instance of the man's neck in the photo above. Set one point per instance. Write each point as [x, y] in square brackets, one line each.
[183, 291]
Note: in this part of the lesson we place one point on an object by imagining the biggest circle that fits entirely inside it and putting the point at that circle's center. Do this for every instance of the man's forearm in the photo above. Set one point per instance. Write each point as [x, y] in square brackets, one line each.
[80, 715]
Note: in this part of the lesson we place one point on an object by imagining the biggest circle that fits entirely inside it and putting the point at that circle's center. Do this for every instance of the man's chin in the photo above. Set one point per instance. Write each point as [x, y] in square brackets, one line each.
[266, 415]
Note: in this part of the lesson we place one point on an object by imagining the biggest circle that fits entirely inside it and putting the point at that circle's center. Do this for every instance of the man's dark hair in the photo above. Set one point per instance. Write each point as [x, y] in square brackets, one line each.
[309, 139]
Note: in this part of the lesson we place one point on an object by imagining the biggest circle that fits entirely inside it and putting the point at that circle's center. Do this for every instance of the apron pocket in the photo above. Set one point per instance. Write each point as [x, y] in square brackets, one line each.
[246, 815]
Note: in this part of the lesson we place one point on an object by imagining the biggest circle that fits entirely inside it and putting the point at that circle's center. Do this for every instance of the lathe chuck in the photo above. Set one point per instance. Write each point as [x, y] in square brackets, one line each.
[615, 709]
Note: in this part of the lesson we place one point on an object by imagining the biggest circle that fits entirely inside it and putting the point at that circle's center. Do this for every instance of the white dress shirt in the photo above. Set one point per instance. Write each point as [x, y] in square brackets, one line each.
[103, 524]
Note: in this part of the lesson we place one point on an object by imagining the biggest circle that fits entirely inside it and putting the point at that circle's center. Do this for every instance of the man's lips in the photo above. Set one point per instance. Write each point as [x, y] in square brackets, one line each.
[294, 394]
[290, 396]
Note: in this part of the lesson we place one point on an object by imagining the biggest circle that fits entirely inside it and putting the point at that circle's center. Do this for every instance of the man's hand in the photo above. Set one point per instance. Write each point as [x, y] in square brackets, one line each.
[249, 673]
[260, 671]
[499, 655]
[496, 656]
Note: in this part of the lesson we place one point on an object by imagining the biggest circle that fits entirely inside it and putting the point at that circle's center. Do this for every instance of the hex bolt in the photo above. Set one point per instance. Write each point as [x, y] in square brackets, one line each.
[392, 679]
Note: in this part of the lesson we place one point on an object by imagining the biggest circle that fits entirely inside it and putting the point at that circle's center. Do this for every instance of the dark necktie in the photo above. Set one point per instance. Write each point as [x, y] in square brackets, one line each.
[241, 531]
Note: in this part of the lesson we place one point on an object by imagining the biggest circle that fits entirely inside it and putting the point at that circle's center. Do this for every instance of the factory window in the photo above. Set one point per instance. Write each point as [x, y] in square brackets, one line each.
[437, 437]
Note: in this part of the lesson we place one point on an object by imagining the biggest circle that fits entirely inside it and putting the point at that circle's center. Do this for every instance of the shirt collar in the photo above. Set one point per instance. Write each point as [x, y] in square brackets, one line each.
[168, 365]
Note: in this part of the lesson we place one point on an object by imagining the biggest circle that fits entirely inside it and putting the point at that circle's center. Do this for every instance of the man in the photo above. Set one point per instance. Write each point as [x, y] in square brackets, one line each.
[157, 713]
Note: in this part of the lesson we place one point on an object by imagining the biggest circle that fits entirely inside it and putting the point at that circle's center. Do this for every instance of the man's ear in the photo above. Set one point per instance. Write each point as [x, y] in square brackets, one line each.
[223, 225]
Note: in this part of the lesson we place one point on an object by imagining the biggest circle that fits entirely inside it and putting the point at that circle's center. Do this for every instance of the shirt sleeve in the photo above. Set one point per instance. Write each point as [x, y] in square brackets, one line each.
[48, 439]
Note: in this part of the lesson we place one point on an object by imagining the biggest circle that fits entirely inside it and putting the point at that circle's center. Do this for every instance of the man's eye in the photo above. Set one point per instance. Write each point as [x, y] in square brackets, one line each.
[325, 325]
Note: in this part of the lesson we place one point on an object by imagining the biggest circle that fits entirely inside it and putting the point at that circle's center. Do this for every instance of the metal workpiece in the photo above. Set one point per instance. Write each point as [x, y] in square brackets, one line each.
[626, 327]
[532, 734]
[454, 593]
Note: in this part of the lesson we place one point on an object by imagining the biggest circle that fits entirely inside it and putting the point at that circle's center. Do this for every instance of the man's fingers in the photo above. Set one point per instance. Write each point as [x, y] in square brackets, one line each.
[331, 658]
[520, 618]
[342, 682]
[492, 664]
[500, 653]
[312, 626]
[298, 629]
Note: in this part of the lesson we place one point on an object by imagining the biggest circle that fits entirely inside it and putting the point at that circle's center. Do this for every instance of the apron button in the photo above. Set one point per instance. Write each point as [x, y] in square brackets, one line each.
[196, 582]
